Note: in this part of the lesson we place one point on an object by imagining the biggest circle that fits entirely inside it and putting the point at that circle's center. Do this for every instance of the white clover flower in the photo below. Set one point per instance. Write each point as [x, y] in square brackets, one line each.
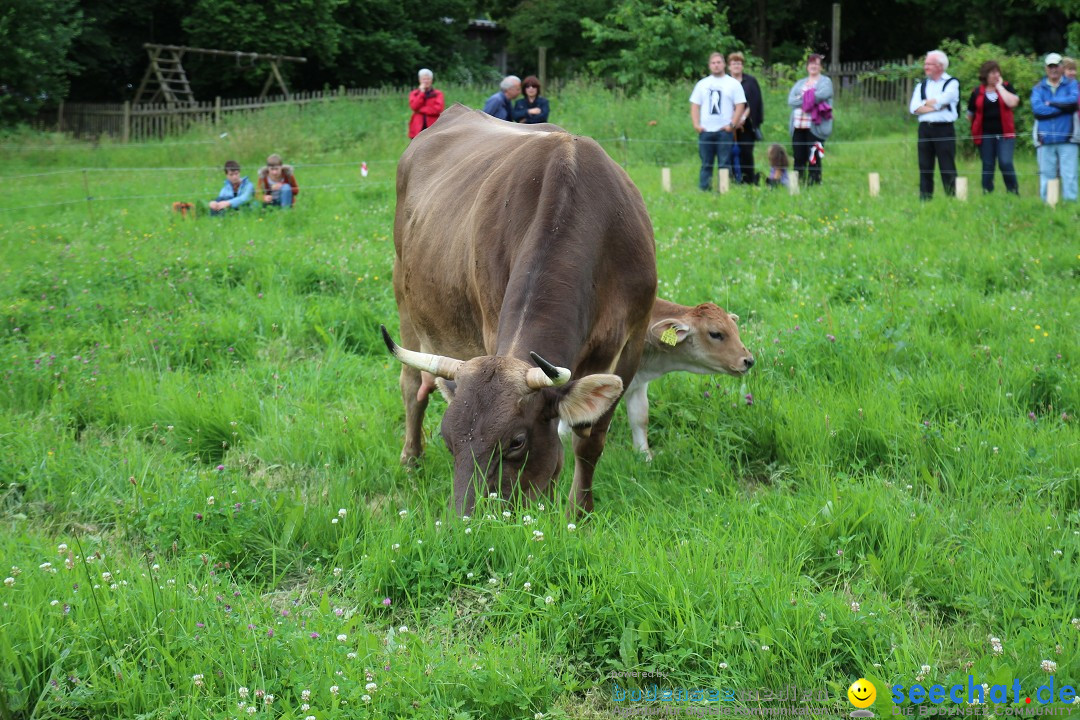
[54, 603]
[493, 581]
[995, 646]
[337, 572]
[548, 600]
[15, 571]
[252, 710]
[403, 629]
[765, 648]
[571, 527]
[61, 548]
[342, 638]
[342, 512]
[9, 581]
[268, 699]
[1075, 623]
[155, 567]
[527, 520]
[469, 576]
[1058, 553]
[1049, 666]
[468, 531]
[106, 576]
[242, 691]
[506, 513]
[395, 546]
[403, 513]
[371, 687]
[854, 606]
[334, 689]
[465, 518]
[493, 496]
[210, 500]
[438, 523]
[538, 716]
[197, 678]
[527, 586]
[925, 669]
[304, 707]
[366, 698]
[333, 521]
[723, 666]
[538, 536]
[309, 717]
[352, 656]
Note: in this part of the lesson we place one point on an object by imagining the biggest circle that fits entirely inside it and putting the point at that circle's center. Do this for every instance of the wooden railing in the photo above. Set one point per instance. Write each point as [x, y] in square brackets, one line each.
[127, 122]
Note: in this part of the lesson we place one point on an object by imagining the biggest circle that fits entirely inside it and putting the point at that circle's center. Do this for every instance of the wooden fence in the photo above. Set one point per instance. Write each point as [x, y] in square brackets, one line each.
[145, 121]
[127, 122]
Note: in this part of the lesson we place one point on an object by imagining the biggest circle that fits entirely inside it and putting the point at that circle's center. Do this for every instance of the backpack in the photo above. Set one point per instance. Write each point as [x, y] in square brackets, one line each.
[922, 91]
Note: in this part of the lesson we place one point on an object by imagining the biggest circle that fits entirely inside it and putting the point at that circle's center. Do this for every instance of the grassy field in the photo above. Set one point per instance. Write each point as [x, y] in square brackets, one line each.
[202, 513]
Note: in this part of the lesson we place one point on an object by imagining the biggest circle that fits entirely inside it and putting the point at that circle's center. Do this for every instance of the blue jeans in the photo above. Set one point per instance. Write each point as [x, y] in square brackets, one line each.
[284, 197]
[1000, 150]
[1058, 160]
[713, 146]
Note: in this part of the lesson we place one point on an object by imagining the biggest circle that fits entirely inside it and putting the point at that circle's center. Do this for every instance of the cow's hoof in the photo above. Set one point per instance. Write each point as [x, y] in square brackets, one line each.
[409, 461]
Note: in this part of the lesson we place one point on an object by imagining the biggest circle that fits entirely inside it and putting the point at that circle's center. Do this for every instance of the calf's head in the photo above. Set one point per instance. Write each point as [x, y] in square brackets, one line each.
[501, 424]
[705, 339]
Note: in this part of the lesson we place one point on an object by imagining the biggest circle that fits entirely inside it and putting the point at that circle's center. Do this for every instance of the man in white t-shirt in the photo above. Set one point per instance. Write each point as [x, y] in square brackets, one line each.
[716, 100]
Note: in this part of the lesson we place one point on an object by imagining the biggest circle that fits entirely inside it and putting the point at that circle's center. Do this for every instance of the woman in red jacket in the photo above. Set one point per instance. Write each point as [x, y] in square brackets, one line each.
[990, 110]
[426, 102]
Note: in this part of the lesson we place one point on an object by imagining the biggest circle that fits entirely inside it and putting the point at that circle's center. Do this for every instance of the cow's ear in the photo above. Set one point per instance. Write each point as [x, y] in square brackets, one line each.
[734, 317]
[669, 331]
[586, 399]
[447, 388]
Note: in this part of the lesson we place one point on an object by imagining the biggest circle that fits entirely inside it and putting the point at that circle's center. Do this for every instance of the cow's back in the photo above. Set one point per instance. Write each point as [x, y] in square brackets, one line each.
[518, 226]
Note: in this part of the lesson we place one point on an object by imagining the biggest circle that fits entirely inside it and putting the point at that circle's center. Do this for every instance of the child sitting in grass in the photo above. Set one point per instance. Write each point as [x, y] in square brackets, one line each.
[235, 193]
[277, 183]
[778, 165]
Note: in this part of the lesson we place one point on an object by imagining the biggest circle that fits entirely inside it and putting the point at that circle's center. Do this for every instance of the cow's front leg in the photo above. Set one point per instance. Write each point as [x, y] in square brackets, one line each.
[416, 403]
[587, 452]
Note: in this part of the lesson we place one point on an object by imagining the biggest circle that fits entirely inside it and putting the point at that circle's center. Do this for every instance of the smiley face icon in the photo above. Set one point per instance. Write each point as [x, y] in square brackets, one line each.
[862, 693]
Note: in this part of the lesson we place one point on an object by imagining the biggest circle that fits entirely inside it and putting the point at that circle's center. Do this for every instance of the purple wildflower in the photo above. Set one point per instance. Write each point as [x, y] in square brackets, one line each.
[749, 397]
[386, 602]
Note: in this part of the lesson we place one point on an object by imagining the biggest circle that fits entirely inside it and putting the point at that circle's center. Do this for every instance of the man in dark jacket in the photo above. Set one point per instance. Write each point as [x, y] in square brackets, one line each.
[749, 124]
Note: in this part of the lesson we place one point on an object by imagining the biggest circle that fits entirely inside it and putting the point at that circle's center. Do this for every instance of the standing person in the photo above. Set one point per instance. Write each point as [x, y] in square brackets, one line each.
[426, 102]
[533, 108]
[236, 192]
[748, 124]
[935, 102]
[500, 104]
[990, 109]
[811, 119]
[1054, 102]
[277, 183]
[714, 103]
[1068, 68]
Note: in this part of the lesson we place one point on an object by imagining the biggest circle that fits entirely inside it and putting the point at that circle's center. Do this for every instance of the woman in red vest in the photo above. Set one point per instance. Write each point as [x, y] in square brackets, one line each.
[990, 110]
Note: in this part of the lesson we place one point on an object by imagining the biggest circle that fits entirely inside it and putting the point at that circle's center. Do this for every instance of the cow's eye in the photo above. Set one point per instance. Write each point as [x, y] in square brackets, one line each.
[516, 444]
[716, 335]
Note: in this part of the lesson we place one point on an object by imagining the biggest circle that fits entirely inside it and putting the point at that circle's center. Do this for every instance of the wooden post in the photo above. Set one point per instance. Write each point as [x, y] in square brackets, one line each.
[793, 183]
[89, 200]
[1053, 191]
[665, 179]
[875, 184]
[834, 63]
[907, 80]
[541, 62]
[60, 117]
[127, 121]
[961, 188]
[723, 180]
[217, 110]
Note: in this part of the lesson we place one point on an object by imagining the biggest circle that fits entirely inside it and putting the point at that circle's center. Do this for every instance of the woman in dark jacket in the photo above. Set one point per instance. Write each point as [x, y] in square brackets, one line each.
[532, 108]
[990, 110]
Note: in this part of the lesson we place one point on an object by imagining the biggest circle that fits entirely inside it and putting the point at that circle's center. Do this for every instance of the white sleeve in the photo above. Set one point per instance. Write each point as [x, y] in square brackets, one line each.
[916, 99]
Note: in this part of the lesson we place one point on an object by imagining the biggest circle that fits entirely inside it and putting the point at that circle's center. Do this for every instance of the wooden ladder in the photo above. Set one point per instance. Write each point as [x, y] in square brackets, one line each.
[166, 77]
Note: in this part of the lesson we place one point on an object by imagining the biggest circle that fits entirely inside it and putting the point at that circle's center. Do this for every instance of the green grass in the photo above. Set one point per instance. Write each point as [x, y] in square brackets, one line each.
[895, 482]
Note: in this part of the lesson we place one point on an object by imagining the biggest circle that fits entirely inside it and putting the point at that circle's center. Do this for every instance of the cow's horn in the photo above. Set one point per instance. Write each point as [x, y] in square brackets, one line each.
[437, 365]
[546, 375]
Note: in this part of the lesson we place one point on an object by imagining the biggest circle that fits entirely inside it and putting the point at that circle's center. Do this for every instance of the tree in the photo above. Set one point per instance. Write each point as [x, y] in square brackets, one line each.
[35, 36]
[644, 41]
[302, 27]
[556, 25]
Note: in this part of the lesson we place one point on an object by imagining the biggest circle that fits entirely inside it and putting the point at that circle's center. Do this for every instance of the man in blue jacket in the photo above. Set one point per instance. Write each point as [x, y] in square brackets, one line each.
[1054, 102]
[236, 191]
[501, 104]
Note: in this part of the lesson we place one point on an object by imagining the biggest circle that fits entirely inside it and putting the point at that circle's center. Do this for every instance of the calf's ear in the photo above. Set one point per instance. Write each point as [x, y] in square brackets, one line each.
[734, 317]
[585, 400]
[669, 331]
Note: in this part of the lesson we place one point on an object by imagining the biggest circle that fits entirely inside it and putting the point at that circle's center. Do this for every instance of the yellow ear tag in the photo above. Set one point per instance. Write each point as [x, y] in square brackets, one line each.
[669, 337]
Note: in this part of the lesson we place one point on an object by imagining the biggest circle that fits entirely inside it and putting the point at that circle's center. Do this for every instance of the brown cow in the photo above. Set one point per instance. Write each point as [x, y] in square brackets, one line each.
[702, 340]
[513, 240]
